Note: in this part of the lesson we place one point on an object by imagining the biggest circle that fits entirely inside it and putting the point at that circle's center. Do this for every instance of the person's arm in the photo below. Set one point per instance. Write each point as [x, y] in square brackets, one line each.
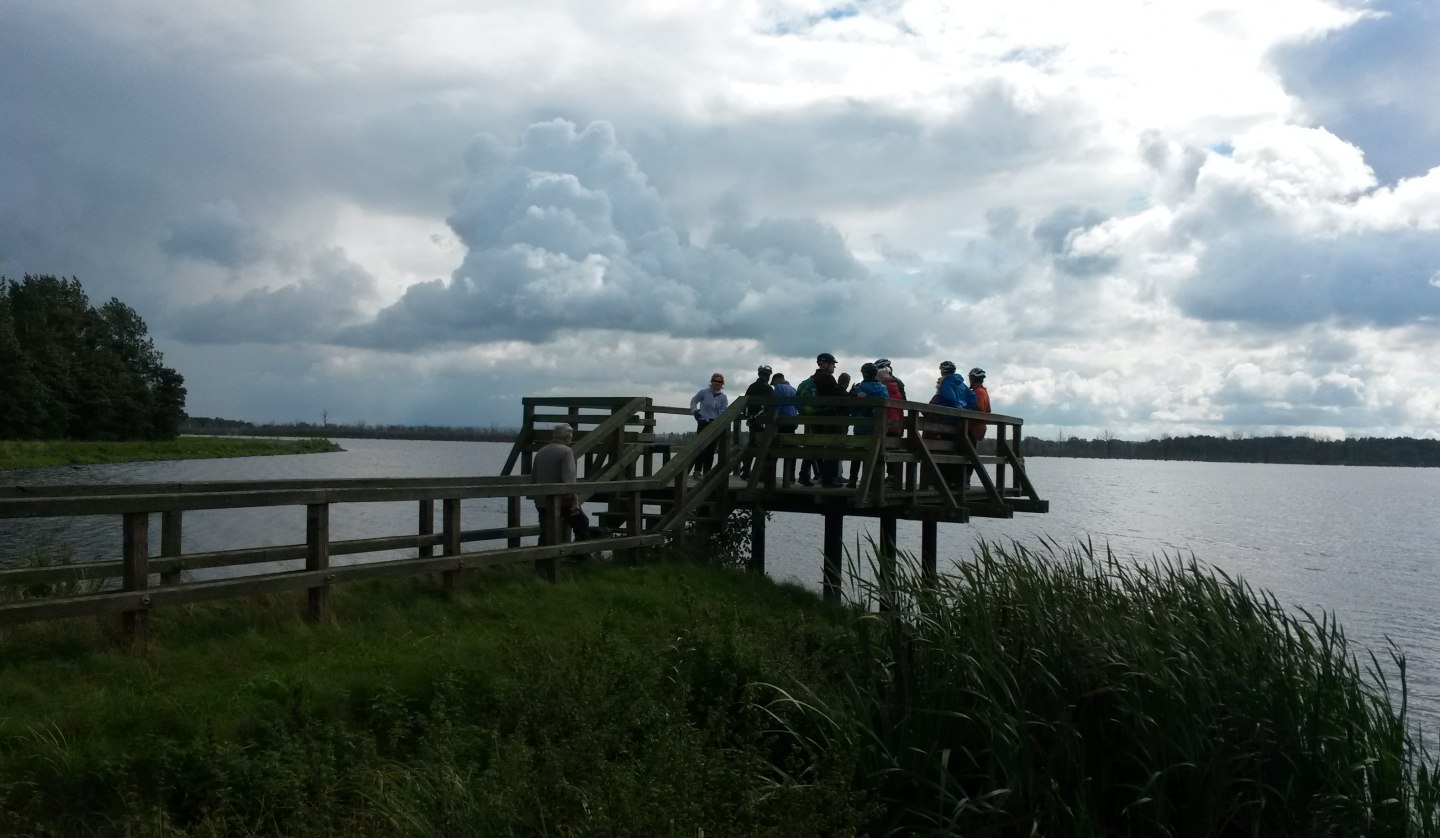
[695, 402]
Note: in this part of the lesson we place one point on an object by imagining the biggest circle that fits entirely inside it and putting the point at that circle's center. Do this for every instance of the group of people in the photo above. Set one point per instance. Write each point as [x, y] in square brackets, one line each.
[555, 463]
[877, 380]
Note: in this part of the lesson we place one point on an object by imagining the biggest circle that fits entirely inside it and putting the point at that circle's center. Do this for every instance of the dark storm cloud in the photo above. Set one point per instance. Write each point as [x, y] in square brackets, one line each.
[564, 232]
[307, 310]
[1374, 278]
[215, 233]
[1373, 84]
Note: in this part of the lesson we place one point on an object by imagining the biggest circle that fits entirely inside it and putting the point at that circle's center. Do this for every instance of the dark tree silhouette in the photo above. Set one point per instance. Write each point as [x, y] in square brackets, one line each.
[76, 372]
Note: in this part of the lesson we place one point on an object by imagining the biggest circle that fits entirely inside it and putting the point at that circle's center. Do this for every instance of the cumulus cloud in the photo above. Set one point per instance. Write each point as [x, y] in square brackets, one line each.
[1169, 219]
[564, 231]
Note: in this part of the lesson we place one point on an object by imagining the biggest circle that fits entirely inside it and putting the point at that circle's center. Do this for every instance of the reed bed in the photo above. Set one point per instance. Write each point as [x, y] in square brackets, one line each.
[1056, 691]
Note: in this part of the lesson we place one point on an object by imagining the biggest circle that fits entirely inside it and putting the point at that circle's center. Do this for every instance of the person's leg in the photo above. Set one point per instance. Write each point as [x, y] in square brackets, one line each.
[579, 524]
[787, 465]
[701, 465]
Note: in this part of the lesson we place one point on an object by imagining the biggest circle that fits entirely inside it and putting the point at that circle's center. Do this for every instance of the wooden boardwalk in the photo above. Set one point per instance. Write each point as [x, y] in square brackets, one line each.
[909, 469]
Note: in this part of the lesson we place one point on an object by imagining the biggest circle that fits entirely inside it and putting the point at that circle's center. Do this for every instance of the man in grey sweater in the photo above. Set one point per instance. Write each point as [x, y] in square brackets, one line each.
[555, 463]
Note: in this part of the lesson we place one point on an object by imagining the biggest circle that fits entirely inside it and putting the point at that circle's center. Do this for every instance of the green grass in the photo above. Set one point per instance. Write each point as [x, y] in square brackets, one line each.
[621, 702]
[1039, 691]
[34, 454]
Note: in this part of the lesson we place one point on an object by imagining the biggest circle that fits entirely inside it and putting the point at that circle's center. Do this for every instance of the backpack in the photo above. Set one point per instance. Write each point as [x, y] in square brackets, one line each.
[806, 390]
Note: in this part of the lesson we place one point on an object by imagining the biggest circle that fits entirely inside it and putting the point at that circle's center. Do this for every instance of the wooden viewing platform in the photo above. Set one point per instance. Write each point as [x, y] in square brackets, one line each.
[909, 470]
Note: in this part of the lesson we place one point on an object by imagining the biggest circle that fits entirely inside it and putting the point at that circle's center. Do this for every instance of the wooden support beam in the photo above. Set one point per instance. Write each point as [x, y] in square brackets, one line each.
[929, 540]
[317, 558]
[552, 531]
[426, 526]
[834, 554]
[450, 528]
[171, 528]
[135, 549]
[885, 562]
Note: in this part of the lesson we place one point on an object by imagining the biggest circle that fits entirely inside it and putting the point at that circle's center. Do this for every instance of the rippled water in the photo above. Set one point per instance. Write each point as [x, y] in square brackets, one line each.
[1358, 542]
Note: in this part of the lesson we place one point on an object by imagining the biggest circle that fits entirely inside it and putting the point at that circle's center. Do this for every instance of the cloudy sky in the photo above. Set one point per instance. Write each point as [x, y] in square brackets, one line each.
[1143, 218]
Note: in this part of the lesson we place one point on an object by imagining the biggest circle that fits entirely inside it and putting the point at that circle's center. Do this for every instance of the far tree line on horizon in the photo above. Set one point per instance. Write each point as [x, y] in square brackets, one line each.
[1296, 450]
[74, 371]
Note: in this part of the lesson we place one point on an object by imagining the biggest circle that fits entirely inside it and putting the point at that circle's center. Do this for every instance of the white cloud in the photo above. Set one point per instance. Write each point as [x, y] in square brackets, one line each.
[1162, 219]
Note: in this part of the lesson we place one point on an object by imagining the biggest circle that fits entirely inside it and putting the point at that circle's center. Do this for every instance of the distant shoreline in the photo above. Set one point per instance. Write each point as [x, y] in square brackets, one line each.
[1402, 452]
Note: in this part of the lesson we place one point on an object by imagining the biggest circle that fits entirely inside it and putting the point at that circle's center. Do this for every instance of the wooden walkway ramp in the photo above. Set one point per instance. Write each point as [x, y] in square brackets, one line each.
[911, 465]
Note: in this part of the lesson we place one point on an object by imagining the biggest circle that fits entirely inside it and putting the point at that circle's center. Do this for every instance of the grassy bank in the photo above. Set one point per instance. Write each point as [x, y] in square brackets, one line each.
[34, 454]
[1054, 693]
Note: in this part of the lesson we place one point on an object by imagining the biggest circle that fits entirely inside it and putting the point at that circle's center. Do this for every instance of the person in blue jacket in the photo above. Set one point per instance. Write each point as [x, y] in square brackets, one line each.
[868, 388]
[785, 390]
[954, 392]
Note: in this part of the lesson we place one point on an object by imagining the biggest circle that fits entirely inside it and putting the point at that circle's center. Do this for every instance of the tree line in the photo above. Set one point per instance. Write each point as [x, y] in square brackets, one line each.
[1299, 450]
[74, 371]
[364, 430]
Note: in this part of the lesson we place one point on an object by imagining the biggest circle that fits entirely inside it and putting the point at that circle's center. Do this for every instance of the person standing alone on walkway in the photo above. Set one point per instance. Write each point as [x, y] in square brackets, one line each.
[706, 407]
[555, 463]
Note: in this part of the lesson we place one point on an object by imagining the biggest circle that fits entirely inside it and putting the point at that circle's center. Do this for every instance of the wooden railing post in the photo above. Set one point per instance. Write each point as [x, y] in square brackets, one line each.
[317, 557]
[170, 530]
[757, 539]
[552, 532]
[512, 519]
[135, 553]
[450, 530]
[426, 526]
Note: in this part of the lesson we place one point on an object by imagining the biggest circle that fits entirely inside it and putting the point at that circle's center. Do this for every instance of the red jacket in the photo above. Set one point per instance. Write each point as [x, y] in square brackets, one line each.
[982, 404]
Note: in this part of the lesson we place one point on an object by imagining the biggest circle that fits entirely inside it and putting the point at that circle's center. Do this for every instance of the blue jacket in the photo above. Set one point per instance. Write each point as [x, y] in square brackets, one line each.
[784, 390]
[954, 392]
[868, 390]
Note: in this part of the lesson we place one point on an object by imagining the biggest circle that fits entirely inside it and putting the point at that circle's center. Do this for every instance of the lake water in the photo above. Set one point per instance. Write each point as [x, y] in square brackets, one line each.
[1358, 542]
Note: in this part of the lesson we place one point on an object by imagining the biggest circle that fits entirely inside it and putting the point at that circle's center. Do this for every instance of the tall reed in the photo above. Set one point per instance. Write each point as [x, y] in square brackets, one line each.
[1054, 691]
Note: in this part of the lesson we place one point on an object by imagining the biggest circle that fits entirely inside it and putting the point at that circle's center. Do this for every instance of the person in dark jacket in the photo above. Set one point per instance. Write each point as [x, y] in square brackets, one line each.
[826, 386]
[757, 416]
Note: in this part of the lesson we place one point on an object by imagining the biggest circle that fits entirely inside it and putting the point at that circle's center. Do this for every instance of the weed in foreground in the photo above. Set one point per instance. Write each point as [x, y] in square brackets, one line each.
[1053, 691]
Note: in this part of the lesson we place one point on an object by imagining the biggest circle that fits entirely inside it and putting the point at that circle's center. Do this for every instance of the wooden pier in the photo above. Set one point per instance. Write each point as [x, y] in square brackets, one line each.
[910, 469]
